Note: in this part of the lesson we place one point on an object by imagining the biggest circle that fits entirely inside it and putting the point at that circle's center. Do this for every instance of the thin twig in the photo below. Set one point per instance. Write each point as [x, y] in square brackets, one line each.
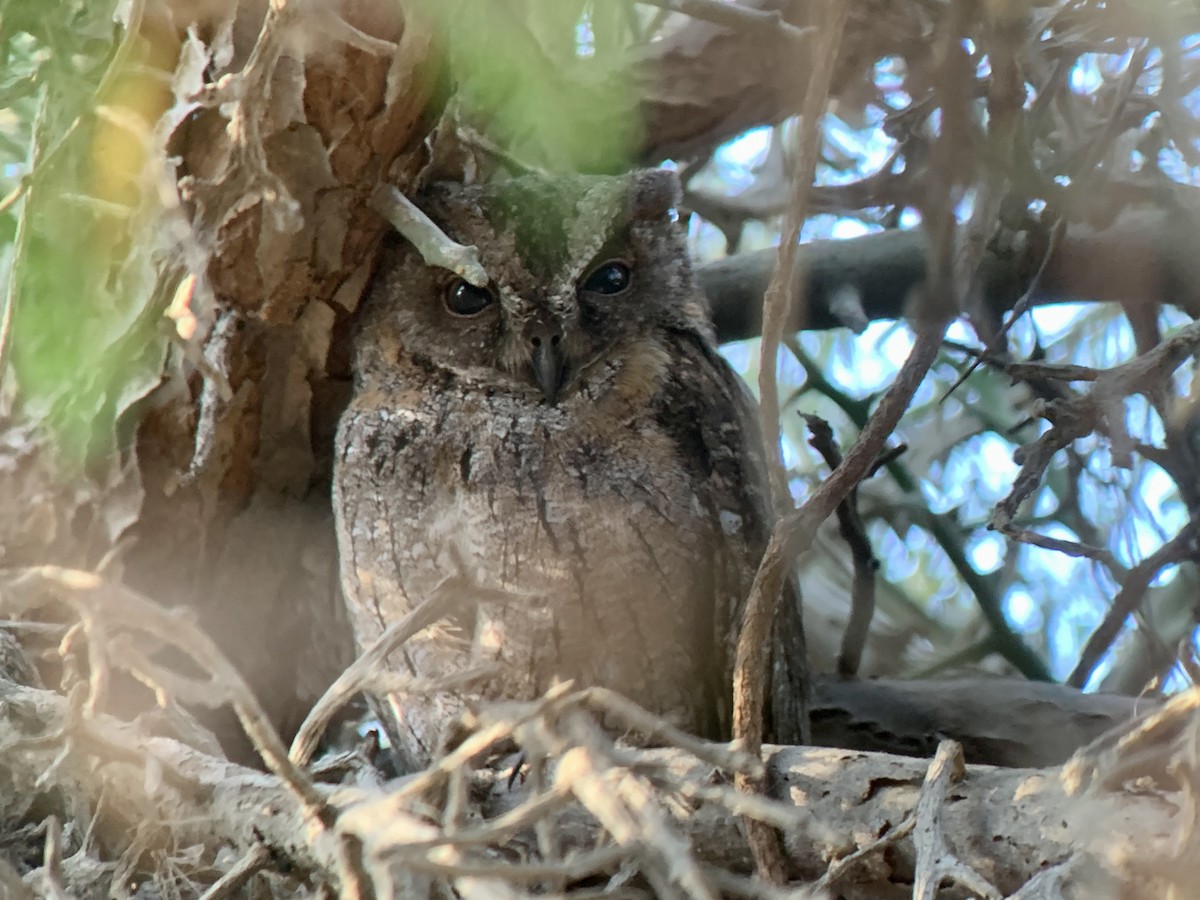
[118, 605]
[434, 245]
[1081, 415]
[854, 533]
[994, 352]
[781, 297]
[660, 731]
[1129, 597]
[839, 867]
[360, 672]
[778, 303]
[797, 530]
[241, 872]
[628, 810]
[944, 530]
[496, 727]
[494, 832]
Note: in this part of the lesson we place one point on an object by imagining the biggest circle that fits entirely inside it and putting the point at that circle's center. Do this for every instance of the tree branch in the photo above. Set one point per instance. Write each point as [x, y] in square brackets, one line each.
[999, 721]
[1146, 256]
[839, 794]
[827, 802]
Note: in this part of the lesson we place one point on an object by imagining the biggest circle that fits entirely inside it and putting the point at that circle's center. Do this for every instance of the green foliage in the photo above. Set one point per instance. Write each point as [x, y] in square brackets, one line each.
[551, 80]
[84, 341]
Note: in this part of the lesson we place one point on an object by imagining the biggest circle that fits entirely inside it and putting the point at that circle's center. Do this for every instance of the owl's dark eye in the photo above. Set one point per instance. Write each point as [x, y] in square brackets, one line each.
[611, 277]
[464, 299]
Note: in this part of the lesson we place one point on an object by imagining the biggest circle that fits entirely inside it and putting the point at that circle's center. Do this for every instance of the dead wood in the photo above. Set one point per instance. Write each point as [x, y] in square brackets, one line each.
[1006, 824]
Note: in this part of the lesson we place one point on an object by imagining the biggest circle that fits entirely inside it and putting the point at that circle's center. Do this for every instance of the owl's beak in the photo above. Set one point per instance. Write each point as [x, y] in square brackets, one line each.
[549, 365]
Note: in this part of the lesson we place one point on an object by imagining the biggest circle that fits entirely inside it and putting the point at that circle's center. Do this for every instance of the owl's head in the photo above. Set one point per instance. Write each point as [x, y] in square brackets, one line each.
[585, 272]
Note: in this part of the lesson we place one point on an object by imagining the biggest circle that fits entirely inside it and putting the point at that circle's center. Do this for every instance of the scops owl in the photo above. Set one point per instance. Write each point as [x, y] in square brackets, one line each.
[570, 443]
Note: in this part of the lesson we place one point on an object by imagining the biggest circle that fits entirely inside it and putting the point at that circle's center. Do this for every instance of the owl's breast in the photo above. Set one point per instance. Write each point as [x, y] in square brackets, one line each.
[587, 543]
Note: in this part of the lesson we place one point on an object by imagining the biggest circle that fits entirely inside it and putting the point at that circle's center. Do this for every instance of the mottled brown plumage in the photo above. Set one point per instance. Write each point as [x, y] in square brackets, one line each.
[576, 449]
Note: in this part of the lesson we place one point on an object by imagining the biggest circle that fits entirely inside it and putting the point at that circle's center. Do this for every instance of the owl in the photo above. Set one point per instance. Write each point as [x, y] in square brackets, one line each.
[565, 452]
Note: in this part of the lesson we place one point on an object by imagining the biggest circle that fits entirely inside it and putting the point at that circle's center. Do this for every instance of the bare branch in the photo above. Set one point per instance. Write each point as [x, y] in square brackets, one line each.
[1133, 591]
[797, 529]
[361, 672]
[853, 532]
[781, 298]
[435, 247]
[936, 863]
[1145, 256]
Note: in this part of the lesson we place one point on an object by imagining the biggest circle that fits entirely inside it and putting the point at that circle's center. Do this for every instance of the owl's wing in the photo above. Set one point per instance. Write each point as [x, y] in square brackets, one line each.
[709, 412]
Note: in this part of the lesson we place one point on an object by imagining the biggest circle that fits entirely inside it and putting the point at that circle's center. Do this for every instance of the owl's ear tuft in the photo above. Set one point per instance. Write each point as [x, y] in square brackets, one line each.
[655, 193]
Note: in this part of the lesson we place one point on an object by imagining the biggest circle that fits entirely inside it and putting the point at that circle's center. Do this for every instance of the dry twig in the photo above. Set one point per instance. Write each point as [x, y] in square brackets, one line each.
[854, 533]
[797, 529]
[1133, 589]
[778, 303]
[780, 298]
[936, 863]
[435, 247]
[241, 872]
[362, 673]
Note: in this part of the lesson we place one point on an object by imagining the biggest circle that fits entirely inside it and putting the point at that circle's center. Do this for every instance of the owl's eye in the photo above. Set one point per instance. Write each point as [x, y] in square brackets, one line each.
[611, 277]
[464, 299]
